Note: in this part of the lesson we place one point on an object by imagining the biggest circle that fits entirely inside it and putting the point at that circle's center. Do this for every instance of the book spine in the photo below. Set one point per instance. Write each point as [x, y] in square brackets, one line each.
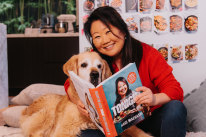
[105, 117]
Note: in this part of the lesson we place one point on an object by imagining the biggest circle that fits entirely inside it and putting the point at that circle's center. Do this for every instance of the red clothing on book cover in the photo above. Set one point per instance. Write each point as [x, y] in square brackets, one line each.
[155, 74]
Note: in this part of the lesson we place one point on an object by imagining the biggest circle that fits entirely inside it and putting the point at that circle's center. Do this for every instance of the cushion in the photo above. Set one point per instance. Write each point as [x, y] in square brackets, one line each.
[12, 115]
[10, 132]
[196, 108]
[32, 92]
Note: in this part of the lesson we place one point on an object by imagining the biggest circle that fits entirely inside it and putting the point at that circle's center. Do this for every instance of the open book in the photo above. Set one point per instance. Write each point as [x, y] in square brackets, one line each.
[110, 104]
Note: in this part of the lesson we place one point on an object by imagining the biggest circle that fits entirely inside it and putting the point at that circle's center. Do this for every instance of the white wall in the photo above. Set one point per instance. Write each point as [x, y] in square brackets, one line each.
[191, 74]
[3, 68]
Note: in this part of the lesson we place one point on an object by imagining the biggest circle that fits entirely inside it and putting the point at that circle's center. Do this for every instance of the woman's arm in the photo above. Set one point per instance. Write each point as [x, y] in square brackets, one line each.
[163, 79]
[157, 75]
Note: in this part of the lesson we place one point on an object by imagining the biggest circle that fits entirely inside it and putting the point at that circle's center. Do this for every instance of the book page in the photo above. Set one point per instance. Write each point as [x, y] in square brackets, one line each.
[82, 87]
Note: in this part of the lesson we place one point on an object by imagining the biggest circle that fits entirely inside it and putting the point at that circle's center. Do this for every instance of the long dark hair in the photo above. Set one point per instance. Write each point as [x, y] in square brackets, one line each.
[132, 50]
[122, 79]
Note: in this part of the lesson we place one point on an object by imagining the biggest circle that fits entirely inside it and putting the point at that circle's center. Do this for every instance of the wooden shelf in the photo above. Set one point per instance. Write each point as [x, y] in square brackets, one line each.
[42, 35]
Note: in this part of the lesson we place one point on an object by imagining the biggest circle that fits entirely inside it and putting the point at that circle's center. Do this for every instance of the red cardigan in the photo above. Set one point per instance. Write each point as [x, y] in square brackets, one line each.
[155, 74]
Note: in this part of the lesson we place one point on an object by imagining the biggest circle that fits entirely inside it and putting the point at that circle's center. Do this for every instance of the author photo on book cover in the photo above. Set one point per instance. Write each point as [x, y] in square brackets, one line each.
[125, 110]
[109, 36]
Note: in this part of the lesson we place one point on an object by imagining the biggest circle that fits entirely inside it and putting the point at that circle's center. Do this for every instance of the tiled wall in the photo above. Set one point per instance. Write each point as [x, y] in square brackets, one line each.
[3, 67]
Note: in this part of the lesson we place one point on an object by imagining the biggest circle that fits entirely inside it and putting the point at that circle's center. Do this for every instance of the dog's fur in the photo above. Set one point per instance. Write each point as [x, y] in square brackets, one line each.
[54, 115]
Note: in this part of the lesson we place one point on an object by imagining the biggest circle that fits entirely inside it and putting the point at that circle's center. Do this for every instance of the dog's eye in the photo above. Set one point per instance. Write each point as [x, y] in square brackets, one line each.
[84, 65]
[99, 66]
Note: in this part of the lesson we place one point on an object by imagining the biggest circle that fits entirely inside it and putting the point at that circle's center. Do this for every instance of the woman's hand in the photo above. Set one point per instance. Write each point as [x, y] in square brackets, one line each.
[146, 97]
[82, 108]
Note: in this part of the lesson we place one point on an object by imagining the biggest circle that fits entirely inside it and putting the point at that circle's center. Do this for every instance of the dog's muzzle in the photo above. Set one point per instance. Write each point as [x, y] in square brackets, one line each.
[94, 77]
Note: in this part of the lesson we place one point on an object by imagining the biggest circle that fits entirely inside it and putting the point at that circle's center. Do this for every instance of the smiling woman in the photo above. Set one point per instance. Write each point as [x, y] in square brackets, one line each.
[108, 41]
[109, 36]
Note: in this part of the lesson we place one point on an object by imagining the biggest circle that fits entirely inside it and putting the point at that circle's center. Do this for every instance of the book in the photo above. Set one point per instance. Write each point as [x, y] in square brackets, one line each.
[110, 104]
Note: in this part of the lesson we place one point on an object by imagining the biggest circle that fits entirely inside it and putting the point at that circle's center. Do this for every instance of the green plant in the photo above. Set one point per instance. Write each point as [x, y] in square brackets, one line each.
[40, 5]
[12, 25]
[19, 14]
[71, 7]
[21, 5]
[5, 6]
[45, 6]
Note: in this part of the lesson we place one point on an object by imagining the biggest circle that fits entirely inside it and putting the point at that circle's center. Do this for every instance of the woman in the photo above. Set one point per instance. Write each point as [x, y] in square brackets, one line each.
[122, 89]
[109, 36]
[122, 92]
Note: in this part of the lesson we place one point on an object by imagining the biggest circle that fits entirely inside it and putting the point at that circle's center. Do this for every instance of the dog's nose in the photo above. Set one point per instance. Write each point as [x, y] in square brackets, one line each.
[94, 74]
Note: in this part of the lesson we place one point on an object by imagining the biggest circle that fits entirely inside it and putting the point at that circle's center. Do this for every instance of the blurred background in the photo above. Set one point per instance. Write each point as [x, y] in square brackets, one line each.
[21, 14]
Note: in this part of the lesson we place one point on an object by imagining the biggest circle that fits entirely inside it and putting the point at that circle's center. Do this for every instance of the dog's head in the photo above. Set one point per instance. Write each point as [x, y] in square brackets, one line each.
[89, 66]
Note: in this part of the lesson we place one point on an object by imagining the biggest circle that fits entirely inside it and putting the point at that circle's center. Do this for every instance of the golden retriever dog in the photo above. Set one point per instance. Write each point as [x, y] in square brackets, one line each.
[54, 115]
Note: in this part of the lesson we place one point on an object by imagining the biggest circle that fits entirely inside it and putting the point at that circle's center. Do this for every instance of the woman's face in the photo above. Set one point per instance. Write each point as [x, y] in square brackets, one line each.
[105, 41]
[122, 88]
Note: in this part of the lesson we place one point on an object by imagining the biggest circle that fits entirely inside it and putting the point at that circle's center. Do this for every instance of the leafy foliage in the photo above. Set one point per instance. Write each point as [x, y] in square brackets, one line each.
[71, 7]
[5, 6]
[19, 14]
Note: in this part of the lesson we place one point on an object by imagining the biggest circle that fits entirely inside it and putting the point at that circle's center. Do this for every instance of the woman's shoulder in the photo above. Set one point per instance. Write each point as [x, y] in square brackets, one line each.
[148, 49]
[152, 55]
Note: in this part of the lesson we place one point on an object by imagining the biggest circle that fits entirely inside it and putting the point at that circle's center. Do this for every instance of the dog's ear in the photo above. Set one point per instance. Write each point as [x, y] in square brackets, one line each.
[106, 71]
[71, 65]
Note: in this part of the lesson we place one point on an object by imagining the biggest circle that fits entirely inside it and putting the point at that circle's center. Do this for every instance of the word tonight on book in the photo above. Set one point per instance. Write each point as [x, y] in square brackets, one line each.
[126, 103]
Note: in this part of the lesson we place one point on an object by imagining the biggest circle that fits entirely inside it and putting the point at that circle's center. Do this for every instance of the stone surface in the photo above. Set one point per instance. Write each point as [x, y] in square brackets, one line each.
[3, 67]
